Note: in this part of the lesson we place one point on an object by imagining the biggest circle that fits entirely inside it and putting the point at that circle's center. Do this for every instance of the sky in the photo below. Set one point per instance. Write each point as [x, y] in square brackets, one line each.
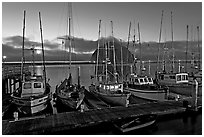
[86, 16]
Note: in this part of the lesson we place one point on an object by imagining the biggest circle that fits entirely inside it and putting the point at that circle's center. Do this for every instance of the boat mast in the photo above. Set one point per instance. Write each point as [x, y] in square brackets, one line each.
[128, 45]
[70, 41]
[140, 47]
[158, 64]
[134, 45]
[114, 60]
[164, 51]
[186, 48]
[199, 61]
[23, 58]
[173, 66]
[33, 52]
[98, 49]
[122, 62]
[106, 58]
[44, 72]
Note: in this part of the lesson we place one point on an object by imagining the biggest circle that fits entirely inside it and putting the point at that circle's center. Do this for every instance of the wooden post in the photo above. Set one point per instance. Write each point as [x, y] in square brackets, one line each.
[12, 85]
[195, 94]
[9, 85]
[3, 87]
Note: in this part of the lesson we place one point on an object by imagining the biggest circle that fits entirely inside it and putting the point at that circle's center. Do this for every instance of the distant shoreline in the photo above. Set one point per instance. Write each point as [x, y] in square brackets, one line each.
[49, 62]
[73, 62]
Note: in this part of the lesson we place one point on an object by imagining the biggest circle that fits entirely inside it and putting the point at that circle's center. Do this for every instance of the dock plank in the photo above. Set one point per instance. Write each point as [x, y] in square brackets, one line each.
[69, 120]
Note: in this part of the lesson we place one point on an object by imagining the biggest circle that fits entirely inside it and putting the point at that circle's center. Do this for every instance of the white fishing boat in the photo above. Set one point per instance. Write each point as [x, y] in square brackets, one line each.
[33, 96]
[144, 87]
[107, 86]
[69, 94]
[34, 93]
[135, 123]
[177, 83]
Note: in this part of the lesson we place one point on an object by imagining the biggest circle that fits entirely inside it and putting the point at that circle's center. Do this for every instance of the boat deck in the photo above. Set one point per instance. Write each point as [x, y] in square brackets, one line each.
[71, 120]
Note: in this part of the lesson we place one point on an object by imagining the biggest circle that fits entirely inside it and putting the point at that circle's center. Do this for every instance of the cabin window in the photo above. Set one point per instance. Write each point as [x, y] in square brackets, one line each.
[150, 80]
[27, 85]
[179, 78]
[37, 85]
[145, 79]
[172, 77]
[141, 80]
[136, 80]
[162, 77]
[184, 77]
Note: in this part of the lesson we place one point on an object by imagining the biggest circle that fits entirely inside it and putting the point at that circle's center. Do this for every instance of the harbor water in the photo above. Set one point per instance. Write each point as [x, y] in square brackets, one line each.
[173, 125]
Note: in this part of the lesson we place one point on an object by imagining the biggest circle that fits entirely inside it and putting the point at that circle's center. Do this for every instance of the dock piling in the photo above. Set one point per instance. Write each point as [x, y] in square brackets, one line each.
[195, 94]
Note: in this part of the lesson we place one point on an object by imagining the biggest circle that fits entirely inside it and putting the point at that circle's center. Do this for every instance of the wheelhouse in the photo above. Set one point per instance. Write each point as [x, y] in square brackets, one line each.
[174, 78]
[112, 87]
[33, 87]
[140, 80]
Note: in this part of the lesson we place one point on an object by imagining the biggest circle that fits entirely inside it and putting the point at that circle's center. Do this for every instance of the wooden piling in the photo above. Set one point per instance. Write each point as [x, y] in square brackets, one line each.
[195, 95]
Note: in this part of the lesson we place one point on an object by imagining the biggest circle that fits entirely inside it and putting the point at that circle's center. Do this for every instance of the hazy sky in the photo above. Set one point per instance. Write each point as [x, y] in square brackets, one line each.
[86, 16]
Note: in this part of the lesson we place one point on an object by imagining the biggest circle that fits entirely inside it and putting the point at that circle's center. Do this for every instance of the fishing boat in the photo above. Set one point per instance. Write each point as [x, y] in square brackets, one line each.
[69, 94]
[135, 122]
[107, 86]
[34, 93]
[142, 85]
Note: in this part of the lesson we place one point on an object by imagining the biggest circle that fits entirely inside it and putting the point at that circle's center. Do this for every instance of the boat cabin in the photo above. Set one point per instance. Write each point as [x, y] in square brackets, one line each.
[134, 79]
[33, 87]
[173, 78]
[112, 87]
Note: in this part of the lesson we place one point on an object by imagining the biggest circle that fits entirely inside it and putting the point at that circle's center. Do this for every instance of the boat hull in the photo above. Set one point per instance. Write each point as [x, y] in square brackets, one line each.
[113, 99]
[135, 123]
[155, 95]
[32, 105]
[69, 102]
[183, 89]
[64, 95]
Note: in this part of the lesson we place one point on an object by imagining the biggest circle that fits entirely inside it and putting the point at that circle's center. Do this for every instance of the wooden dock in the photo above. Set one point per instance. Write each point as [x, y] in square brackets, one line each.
[71, 120]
